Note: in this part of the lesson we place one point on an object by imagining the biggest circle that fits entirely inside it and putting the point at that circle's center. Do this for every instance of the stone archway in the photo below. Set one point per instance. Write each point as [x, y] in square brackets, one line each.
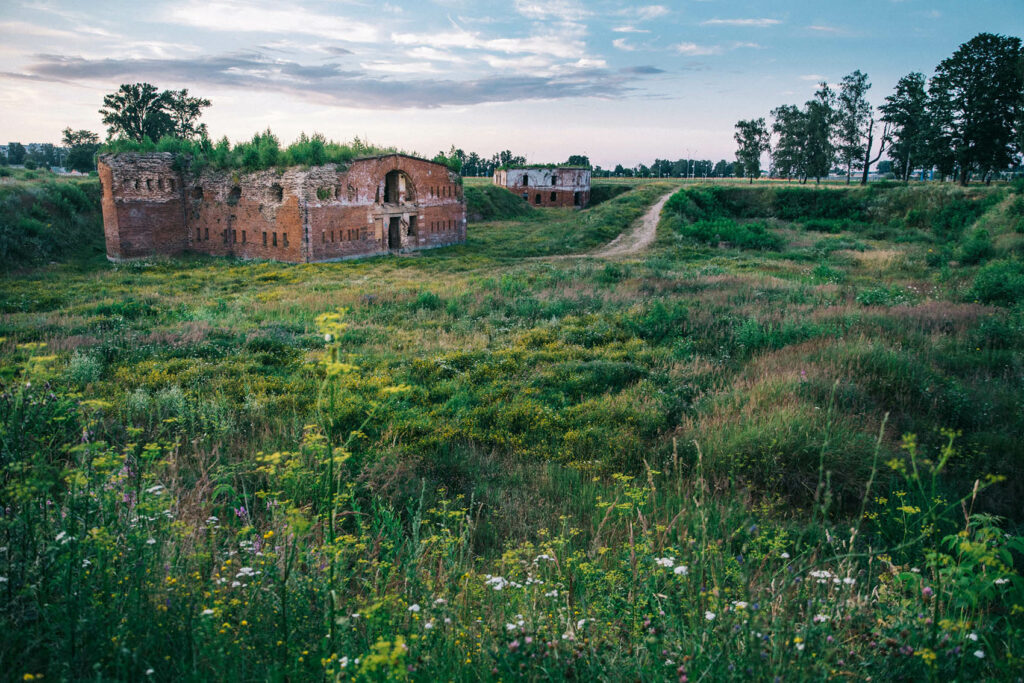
[398, 188]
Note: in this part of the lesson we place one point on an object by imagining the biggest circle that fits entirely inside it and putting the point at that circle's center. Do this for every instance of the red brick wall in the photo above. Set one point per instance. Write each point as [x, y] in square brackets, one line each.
[143, 213]
[316, 214]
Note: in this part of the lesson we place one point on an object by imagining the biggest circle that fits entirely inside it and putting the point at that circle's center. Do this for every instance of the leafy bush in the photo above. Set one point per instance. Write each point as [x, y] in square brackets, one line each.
[882, 296]
[260, 153]
[84, 368]
[745, 236]
[49, 221]
[977, 248]
[999, 282]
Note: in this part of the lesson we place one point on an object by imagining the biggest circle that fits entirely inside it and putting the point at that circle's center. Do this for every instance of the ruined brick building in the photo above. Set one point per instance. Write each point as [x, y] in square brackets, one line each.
[547, 186]
[154, 204]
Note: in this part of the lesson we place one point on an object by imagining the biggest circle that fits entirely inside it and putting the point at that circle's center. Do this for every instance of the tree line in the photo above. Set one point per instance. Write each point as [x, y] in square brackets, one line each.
[966, 121]
[475, 165]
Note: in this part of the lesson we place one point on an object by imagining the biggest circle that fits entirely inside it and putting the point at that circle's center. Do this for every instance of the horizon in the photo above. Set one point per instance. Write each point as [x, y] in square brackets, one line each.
[544, 80]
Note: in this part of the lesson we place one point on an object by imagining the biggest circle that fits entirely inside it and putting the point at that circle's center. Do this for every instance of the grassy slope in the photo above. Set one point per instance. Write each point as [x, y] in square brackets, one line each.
[515, 391]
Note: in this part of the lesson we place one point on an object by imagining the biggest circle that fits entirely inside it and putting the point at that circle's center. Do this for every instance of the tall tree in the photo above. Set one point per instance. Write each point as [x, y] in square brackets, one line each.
[753, 140]
[137, 111]
[16, 153]
[579, 160]
[82, 147]
[982, 83]
[819, 153]
[789, 125]
[853, 113]
[185, 112]
[905, 112]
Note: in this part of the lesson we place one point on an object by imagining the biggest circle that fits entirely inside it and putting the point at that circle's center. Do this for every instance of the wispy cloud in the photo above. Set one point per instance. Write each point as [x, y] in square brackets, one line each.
[234, 16]
[629, 29]
[741, 22]
[695, 50]
[821, 28]
[623, 44]
[368, 86]
[560, 10]
[812, 77]
[649, 12]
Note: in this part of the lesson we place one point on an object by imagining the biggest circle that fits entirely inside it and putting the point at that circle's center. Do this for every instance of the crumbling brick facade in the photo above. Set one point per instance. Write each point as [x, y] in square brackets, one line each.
[153, 204]
[540, 186]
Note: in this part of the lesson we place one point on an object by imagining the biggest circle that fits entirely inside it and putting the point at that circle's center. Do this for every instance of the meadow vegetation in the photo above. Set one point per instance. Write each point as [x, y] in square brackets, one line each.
[784, 442]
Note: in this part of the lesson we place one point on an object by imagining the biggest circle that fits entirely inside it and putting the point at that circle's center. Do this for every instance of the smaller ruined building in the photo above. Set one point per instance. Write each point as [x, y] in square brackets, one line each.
[156, 204]
[547, 186]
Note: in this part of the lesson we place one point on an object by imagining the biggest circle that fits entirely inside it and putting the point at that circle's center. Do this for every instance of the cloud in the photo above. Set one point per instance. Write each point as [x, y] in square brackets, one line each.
[741, 22]
[642, 70]
[622, 44]
[695, 50]
[812, 77]
[562, 45]
[629, 29]
[649, 12]
[560, 10]
[234, 16]
[331, 84]
[821, 28]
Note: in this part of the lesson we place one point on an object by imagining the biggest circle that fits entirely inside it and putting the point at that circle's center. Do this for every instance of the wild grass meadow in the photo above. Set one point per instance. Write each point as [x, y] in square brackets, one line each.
[782, 444]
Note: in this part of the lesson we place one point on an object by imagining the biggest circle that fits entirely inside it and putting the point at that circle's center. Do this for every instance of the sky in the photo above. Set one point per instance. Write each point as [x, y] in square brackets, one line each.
[620, 82]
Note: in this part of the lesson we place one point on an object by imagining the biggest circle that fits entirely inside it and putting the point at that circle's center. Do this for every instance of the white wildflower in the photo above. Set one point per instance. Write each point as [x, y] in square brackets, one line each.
[1001, 580]
[849, 580]
[664, 561]
[681, 570]
[709, 615]
[414, 608]
[819, 618]
[980, 654]
[428, 625]
[207, 612]
[739, 604]
[784, 556]
[150, 541]
[551, 594]
[973, 636]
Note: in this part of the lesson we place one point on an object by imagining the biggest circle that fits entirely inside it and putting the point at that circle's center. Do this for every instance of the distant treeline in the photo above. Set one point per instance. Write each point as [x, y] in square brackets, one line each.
[966, 121]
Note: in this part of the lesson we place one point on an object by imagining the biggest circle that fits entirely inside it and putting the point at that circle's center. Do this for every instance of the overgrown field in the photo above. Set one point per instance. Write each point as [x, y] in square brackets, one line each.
[783, 443]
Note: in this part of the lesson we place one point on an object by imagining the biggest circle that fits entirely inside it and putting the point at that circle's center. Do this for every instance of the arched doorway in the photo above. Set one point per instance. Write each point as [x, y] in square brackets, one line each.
[398, 188]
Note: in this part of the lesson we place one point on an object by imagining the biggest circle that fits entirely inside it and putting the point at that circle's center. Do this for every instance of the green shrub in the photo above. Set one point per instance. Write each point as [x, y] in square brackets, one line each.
[882, 296]
[427, 301]
[827, 273]
[999, 282]
[30, 165]
[745, 236]
[84, 368]
[977, 248]
[5, 172]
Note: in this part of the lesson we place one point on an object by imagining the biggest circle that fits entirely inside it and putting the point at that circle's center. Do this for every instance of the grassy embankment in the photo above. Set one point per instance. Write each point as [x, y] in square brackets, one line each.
[678, 465]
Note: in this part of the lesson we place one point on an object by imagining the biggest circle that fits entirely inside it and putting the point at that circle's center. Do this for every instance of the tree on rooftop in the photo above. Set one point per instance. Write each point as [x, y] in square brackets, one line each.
[137, 111]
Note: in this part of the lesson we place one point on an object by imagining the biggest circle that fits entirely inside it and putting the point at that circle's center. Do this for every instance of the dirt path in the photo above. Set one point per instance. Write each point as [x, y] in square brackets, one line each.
[640, 236]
